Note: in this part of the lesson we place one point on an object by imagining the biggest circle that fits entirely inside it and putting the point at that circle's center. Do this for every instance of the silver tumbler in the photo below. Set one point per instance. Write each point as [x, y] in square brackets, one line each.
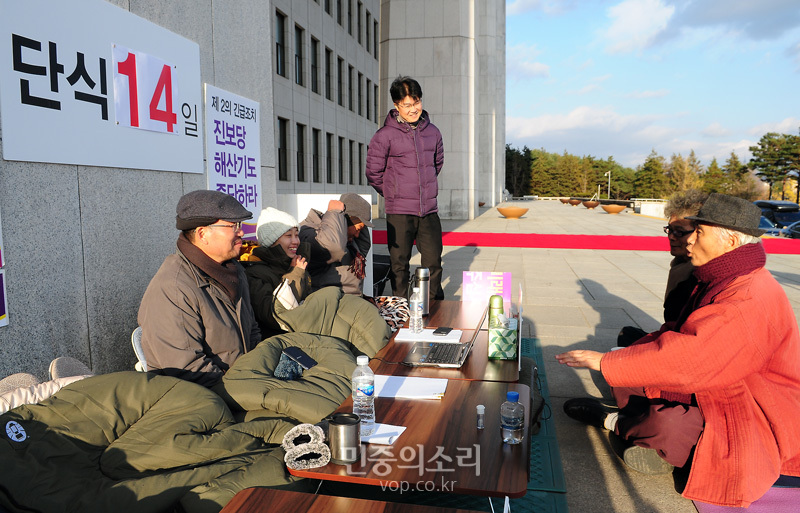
[344, 437]
[422, 279]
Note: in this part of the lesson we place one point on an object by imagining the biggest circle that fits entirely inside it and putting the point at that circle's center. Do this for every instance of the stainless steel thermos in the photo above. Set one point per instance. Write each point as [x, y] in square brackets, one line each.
[422, 277]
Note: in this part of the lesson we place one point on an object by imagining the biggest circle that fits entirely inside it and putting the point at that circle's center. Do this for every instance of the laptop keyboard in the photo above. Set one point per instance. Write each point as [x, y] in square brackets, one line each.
[443, 353]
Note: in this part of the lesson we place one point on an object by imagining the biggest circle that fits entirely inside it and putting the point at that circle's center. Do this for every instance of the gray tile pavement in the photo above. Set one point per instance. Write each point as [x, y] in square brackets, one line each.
[580, 299]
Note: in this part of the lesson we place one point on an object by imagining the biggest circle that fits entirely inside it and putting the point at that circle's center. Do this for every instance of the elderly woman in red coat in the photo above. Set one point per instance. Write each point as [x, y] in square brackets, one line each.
[717, 392]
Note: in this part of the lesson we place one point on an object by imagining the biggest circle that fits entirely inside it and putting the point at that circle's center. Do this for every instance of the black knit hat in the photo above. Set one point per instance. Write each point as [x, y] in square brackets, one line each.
[203, 207]
[730, 212]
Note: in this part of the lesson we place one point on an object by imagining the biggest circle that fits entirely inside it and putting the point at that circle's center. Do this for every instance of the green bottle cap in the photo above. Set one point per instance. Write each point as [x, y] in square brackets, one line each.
[496, 302]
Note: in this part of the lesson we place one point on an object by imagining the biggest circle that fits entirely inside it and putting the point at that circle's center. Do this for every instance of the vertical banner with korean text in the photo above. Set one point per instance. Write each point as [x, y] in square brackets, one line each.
[233, 149]
[2, 257]
[3, 303]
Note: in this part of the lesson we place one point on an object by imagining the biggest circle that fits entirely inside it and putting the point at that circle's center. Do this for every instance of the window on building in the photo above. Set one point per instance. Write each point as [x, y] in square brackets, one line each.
[329, 73]
[359, 7]
[350, 88]
[360, 95]
[280, 44]
[341, 160]
[328, 6]
[301, 153]
[352, 162]
[350, 17]
[360, 163]
[283, 150]
[314, 65]
[340, 65]
[329, 157]
[298, 55]
[368, 38]
[375, 36]
[315, 157]
[375, 100]
[339, 12]
[369, 95]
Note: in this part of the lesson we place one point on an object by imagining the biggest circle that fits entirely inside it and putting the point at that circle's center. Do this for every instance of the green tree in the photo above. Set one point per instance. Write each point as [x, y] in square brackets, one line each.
[651, 180]
[683, 174]
[714, 178]
[518, 170]
[774, 157]
[542, 182]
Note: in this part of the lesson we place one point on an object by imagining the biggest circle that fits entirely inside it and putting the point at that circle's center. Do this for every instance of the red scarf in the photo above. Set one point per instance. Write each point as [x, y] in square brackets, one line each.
[714, 276]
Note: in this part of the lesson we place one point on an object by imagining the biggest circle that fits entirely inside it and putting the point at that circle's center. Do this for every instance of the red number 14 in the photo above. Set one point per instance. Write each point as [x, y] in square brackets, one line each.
[163, 89]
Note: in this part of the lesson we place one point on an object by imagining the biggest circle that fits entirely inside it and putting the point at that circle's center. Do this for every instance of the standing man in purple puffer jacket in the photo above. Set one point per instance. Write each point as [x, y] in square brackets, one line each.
[404, 159]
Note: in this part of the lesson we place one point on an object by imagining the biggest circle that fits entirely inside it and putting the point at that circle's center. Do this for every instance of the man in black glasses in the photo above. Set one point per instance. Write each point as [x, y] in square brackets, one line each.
[680, 280]
[195, 315]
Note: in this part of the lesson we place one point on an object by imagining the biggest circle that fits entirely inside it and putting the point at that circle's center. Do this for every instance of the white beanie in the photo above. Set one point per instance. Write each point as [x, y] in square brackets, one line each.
[272, 224]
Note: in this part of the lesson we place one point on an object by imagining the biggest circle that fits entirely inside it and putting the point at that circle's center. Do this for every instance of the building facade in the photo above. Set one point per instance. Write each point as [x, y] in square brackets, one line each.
[325, 86]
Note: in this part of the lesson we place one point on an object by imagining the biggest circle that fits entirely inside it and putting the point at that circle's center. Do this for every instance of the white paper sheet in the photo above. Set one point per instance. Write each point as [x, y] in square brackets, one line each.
[384, 434]
[406, 387]
[406, 335]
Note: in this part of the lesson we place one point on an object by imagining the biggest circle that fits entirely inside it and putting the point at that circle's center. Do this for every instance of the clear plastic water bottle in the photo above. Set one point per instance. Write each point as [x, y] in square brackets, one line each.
[364, 395]
[512, 418]
[415, 308]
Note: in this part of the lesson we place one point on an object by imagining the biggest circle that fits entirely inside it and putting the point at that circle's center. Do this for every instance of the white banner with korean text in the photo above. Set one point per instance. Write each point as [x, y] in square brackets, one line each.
[85, 82]
[233, 149]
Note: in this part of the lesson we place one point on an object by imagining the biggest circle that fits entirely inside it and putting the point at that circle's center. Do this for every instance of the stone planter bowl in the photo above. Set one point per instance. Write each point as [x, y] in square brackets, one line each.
[564, 200]
[575, 202]
[590, 204]
[613, 209]
[512, 212]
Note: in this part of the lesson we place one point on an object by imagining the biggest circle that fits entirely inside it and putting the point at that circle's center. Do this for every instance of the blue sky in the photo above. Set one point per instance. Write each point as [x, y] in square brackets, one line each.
[623, 77]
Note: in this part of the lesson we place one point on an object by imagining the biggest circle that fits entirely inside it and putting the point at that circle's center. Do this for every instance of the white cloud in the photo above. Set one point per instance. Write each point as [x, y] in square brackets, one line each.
[603, 133]
[521, 62]
[587, 89]
[635, 24]
[580, 118]
[716, 130]
[640, 95]
[762, 20]
[786, 126]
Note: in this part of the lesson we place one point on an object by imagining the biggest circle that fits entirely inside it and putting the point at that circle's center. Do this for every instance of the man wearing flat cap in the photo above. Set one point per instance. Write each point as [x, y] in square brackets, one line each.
[195, 315]
[340, 242]
[715, 393]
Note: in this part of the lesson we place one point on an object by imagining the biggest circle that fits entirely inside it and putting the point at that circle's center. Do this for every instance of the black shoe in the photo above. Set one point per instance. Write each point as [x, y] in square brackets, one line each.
[640, 459]
[588, 410]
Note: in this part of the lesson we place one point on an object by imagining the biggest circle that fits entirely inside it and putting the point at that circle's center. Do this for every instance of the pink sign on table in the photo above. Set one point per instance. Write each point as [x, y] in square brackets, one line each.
[479, 285]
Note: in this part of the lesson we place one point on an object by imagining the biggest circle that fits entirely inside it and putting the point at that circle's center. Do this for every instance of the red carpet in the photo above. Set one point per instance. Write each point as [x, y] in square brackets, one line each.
[561, 241]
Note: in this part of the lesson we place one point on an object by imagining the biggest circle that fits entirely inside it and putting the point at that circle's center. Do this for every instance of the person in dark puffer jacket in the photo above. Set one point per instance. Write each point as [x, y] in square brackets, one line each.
[404, 159]
[280, 256]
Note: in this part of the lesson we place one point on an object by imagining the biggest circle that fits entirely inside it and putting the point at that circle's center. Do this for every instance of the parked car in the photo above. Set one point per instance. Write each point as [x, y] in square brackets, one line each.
[781, 213]
[793, 230]
[766, 224]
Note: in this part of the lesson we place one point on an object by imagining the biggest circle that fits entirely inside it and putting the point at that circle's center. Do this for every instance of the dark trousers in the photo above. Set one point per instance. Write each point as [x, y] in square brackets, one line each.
[671, 428]
[401, 231]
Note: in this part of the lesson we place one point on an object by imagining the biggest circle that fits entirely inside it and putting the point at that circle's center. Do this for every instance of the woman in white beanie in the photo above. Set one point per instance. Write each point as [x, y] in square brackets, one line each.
[280, 255]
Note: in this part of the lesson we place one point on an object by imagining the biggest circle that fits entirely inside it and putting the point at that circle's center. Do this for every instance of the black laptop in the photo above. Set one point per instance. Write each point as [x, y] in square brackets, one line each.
[442, 354]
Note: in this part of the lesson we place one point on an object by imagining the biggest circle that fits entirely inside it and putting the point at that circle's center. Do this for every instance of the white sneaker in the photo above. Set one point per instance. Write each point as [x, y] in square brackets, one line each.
[66, 366]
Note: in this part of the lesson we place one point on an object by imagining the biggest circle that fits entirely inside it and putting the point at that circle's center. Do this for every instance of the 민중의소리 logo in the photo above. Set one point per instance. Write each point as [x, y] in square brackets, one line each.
[15, 431]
